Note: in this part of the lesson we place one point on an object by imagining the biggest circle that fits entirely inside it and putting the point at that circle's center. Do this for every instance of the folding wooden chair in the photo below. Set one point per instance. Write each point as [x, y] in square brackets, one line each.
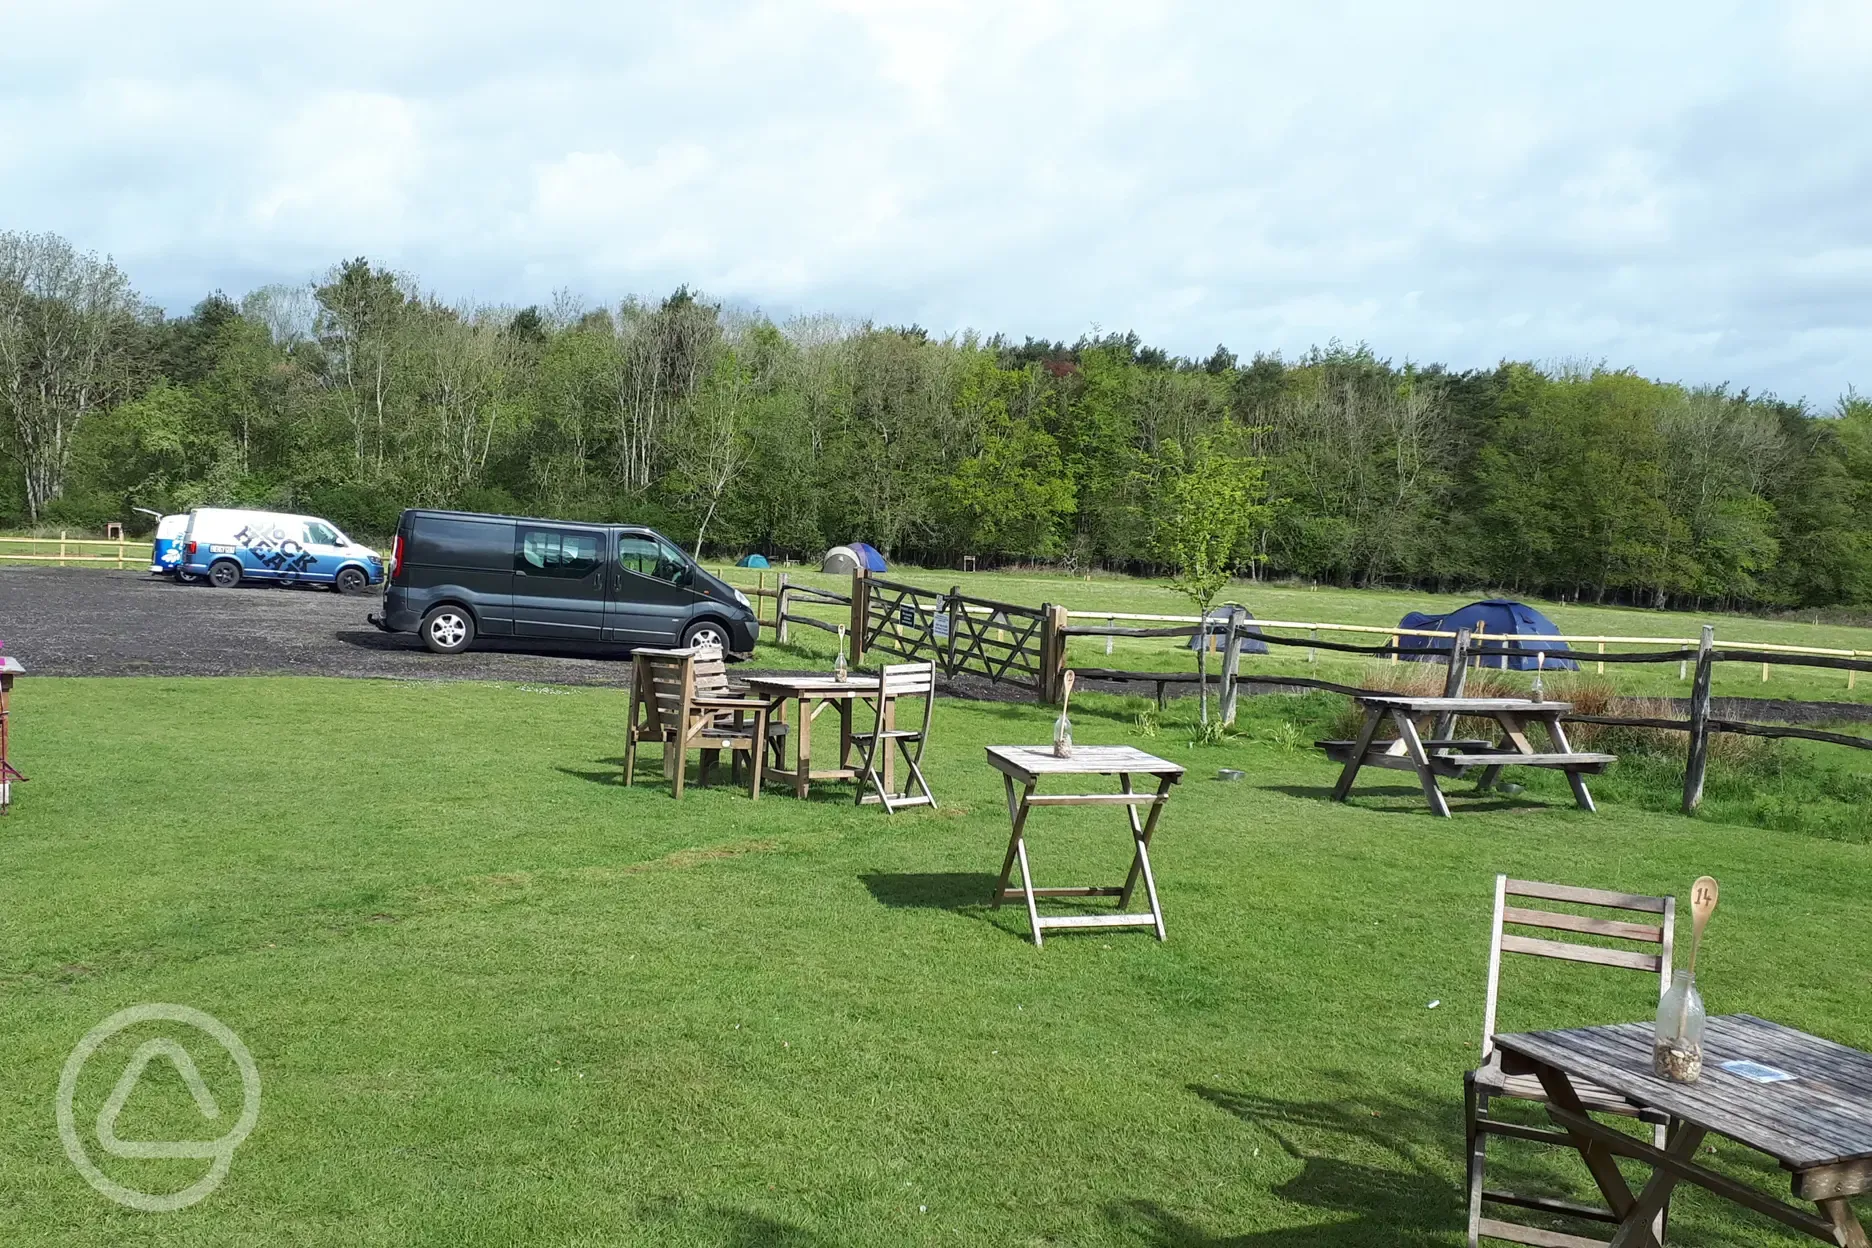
[667, 707]
[1488, 1083]
[898, 680]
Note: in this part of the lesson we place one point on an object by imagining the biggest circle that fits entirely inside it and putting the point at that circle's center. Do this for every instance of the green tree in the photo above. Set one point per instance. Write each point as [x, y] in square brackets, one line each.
[1211, 508]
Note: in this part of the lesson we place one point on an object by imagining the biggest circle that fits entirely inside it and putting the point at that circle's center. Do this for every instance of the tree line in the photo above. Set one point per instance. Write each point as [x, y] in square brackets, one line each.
[360, 394]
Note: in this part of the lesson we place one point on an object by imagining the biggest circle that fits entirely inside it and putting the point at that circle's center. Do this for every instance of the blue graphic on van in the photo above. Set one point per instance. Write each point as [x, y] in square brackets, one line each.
[286, 557]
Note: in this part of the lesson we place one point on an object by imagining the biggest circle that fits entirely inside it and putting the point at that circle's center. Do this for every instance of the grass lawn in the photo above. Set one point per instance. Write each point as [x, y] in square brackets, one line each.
[1381, 608]
[495, 998]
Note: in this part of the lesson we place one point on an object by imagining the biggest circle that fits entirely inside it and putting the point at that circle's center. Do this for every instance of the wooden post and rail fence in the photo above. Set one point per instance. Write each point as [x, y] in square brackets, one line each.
[1027, 647]
[66, 551]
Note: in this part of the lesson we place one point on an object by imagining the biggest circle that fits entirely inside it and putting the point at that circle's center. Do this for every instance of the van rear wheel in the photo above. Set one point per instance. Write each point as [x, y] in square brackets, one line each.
[224, 574]
[448, 630]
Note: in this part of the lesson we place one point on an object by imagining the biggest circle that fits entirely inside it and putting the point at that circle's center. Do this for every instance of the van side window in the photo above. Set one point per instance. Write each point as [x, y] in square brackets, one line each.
[648, 557]
[557, 552]
[318, 534]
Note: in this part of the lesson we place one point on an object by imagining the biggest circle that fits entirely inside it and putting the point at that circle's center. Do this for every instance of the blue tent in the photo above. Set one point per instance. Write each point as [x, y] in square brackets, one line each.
[1492, 616]
[753, 561]
[873, 561]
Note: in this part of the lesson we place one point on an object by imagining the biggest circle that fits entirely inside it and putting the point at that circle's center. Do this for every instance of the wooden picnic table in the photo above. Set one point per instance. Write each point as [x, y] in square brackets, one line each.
[1025, 765]
[813, 695]
[1817, 1123]
[1434, 753]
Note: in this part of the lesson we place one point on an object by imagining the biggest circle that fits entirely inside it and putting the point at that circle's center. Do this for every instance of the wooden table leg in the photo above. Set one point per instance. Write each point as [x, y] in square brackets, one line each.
[1017, 852]
[1557, 734]
[1845, 1223]
[1643, 1224]
[802, 752]
[1413, 746]
[1373, 716]
[1016, 812]
[845, 732]
[887, 720]
[1140, 860]
[1598, 1158]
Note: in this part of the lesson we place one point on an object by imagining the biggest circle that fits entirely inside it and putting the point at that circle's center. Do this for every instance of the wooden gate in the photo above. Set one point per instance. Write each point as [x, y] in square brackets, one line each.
[1002, 641]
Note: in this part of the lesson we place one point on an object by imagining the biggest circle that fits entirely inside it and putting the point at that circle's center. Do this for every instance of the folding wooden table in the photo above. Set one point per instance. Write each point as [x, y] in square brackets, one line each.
[1026, 764]
[1802, 1100]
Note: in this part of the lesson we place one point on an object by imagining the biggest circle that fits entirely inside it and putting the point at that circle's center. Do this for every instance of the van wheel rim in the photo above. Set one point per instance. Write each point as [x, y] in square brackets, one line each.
[448, 630]
[708, 637]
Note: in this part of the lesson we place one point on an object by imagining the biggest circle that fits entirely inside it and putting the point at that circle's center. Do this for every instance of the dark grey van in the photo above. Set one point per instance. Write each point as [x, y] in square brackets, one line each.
[456, 575]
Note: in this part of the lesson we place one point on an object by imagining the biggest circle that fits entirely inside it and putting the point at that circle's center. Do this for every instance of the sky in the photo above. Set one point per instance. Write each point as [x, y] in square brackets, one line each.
[1680, 188]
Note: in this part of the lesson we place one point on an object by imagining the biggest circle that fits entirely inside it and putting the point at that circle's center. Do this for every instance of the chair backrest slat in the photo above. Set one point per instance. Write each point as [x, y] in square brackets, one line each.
[1580, 953]
[1582, 923]
[1657, 938]
[1586, 896]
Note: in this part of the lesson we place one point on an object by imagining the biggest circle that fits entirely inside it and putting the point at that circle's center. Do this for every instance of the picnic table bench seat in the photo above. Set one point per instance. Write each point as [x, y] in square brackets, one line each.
[1584, 762]
[1341, 751]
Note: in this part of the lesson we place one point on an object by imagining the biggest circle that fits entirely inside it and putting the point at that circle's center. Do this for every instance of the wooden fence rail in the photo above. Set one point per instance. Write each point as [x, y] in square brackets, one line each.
[82, 551]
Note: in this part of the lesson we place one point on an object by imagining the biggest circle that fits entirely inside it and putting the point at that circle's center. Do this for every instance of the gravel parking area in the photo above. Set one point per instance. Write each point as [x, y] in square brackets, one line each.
[87, 622]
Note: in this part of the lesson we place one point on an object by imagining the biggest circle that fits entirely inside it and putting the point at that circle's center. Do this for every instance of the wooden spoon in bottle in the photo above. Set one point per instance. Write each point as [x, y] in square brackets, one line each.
[1703, 895]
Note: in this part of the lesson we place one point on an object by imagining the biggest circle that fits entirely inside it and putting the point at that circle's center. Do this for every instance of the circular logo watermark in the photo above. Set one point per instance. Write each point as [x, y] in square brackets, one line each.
[219, 1151]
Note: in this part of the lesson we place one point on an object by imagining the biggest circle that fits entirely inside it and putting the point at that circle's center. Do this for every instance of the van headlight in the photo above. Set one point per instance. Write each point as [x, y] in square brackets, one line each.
[741, 598]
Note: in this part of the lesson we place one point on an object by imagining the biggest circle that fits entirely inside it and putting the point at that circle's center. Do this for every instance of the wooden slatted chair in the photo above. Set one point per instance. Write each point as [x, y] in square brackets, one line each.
[1488, 1083]
[668, 707]
[897, 681]
[711, 681]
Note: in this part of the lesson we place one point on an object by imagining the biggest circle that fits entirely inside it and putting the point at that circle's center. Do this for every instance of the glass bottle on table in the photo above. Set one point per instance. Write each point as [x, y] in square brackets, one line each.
[1062, 737]
[1677, 1050]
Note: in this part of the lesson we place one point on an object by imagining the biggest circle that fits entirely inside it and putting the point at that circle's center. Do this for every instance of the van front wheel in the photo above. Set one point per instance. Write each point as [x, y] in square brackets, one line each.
[225, 574]
[448, 630]
[706, 633]
[350, 581]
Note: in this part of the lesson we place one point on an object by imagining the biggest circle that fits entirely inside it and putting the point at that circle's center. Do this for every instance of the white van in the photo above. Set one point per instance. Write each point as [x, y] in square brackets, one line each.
[228, 546]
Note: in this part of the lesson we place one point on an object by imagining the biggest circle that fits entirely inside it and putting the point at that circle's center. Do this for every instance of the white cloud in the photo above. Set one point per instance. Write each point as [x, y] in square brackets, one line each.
[1677, 187]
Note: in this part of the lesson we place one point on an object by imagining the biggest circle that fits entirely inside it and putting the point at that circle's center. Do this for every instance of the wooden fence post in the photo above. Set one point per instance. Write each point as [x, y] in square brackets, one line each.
[1458, 673]
[1602, 661]
[780, 628]
[1052, 652]
[1698, 760]
[61, 548]
[1231, 664]
[860, 614]
[1454, 678]
[957, 611]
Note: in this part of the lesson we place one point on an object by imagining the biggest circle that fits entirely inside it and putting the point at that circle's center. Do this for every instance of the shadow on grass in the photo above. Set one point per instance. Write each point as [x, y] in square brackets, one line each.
[1408, 1203]
[967, 893]
[731, 1228]
[931, 890]
[1412, 796]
